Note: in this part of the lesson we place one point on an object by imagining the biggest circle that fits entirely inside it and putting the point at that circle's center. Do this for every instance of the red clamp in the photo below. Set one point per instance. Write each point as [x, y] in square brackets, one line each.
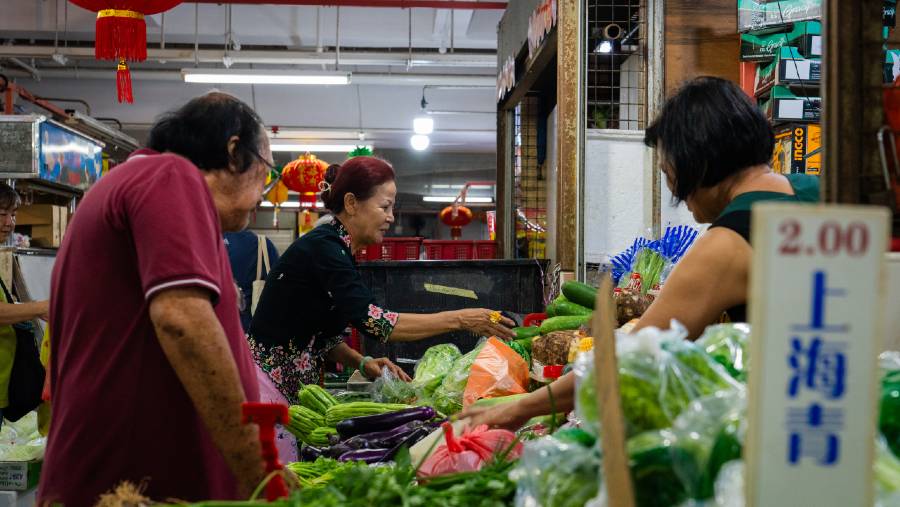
[266, 415]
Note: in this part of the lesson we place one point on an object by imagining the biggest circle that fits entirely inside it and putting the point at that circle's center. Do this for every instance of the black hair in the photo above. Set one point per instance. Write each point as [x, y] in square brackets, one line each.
[358, 176]
[200, 130]
[9, 198]
[708, 131]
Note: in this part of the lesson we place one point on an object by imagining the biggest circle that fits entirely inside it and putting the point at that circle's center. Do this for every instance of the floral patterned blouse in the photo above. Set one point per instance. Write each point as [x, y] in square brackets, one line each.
[310, 297]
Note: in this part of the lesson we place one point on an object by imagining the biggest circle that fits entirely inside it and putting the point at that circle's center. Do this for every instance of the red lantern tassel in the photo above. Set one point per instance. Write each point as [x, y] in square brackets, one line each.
[123, 83]
[120, 34]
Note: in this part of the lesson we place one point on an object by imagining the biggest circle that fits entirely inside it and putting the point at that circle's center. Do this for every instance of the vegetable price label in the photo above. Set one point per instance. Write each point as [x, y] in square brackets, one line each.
[817, 290]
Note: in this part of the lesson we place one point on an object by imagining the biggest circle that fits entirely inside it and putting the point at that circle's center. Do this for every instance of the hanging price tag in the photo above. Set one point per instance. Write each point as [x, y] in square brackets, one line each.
[817, 288]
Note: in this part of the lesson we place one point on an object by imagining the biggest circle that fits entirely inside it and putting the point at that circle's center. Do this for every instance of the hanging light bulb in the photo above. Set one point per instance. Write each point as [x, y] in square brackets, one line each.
[419, 142]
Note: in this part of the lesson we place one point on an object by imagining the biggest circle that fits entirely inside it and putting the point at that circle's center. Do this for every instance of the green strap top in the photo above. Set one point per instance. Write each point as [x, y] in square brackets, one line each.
[806, 189]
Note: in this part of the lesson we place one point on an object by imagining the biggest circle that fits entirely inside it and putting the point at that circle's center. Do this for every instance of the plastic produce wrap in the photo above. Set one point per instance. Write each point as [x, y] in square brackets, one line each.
[886, 471]
[556, 473]
[728, 345]
[388, 388]
[711, 432]
[21, 440]
[497, 371]
[285, 441]
[448, 397]
[435, 363]
[730, 485]
[469, 451]
[660, 373]
[889, 410]
[652, 458]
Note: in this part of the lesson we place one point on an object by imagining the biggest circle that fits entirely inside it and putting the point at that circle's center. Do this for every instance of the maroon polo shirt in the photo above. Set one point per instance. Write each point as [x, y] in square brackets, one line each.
[119, 411]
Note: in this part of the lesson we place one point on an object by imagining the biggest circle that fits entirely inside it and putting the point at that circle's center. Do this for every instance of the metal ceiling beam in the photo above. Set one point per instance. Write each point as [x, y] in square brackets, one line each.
[401, 4]
[272, 57]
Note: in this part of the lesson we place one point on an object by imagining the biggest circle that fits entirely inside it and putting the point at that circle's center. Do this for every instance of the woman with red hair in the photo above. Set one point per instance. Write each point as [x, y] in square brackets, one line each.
[315, 290]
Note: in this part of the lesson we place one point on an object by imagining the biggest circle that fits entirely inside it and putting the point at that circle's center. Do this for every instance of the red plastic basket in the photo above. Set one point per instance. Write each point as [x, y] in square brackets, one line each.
[401, 249]
[485, 249]
[392, 249]
[449, 250]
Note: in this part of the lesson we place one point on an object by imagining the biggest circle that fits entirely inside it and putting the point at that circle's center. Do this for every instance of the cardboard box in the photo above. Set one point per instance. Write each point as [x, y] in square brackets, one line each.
[755, 15]
[19, 475]
[787, 69]
[784, 106]
[48, 223]
[806, 36]
[798, 149]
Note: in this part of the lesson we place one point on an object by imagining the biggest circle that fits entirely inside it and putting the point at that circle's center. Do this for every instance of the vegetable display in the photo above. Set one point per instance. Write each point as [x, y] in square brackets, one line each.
[448, 396]
[384, 421]
[727, 345]
[343, 411]
[564, 323]
[431, 369]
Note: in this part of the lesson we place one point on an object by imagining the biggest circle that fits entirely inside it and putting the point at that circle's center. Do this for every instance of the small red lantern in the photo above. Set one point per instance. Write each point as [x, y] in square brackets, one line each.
[456, 217]
[304, 175]
[122, 34]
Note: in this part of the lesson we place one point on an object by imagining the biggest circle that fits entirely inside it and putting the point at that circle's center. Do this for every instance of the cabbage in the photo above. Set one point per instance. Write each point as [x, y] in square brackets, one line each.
[449, 395]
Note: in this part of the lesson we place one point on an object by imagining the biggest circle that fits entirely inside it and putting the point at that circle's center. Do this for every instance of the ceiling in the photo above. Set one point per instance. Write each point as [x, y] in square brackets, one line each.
[394, 55]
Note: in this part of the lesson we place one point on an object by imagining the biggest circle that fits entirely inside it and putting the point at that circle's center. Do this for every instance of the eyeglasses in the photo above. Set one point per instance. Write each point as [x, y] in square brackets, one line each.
[271, 168]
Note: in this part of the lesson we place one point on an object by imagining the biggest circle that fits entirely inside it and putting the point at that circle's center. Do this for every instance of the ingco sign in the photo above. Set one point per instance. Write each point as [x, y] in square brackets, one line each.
[539, 24]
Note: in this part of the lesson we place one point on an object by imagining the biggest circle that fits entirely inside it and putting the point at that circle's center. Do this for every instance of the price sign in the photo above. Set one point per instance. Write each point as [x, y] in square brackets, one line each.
[817, 289]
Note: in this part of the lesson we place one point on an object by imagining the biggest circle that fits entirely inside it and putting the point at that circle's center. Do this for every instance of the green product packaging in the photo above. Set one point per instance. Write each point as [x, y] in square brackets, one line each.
[783, 106]
[756, 15]
[805, 36]
[789, 68]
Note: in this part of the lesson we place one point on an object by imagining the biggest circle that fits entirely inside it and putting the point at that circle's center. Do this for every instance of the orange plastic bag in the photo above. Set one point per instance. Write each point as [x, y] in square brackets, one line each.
[497, 371]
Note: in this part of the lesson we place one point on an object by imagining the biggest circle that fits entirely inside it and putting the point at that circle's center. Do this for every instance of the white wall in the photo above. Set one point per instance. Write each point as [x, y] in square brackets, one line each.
[617, 193]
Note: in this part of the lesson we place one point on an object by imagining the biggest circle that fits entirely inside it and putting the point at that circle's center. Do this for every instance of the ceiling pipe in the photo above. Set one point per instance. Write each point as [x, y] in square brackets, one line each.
[401, 4]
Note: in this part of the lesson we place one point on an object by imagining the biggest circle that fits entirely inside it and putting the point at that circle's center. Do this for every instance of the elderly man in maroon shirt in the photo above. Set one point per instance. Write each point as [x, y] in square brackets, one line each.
[149, 363]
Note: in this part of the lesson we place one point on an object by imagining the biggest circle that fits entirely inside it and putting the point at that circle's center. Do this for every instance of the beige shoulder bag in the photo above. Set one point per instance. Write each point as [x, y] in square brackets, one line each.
[262, 258]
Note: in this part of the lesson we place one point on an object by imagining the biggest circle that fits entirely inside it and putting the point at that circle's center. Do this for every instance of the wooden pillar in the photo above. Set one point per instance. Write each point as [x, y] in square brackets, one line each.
[570, 132]
[852, 108]
[505, 223]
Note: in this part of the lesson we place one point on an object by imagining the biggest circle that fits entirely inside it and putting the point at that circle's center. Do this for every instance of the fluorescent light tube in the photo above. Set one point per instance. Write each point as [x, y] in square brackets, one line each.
[312, 148]
[419, 142]
[451, 198]
[291, 204]
[252, 76]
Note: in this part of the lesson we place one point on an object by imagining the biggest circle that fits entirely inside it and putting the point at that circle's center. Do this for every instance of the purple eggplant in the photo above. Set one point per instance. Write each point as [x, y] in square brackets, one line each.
[335, 451]
[310, 453]
[366, 455]
[382, 422]
[386, 439]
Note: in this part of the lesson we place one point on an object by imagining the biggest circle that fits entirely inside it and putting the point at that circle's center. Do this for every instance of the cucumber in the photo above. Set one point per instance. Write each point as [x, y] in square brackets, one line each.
[526, 342]
[566, 323]
[580, 293]
[551, 309]
[524, 333]
[567, 308]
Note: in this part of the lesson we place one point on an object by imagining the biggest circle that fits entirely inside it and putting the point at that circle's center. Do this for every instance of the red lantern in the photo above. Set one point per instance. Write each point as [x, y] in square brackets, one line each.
[304, 175]
[456, 219]
[122, 34]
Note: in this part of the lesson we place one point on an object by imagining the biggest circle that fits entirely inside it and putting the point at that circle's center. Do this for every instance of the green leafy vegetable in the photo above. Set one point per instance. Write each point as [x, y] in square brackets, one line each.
[448, 396]
[727, 344]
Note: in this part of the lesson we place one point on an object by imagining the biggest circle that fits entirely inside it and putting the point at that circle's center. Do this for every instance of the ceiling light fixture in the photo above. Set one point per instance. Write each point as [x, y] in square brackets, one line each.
[423, 125]
[451, 198]
[331, 148]
[419, 142]
[252, 76]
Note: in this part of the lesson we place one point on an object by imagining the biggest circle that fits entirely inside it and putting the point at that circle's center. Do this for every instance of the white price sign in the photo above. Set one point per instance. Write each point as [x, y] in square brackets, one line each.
[817, 288]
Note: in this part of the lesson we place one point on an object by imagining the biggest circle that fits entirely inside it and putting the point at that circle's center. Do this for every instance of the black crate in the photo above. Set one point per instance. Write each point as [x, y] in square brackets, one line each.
[514, 286]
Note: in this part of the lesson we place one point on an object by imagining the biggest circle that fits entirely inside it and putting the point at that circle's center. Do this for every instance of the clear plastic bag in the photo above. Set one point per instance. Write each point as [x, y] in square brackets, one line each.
[886, 471]
[711, 432]
[432, 368]
[660, 373]
[727, 344]
[730, 485]
[553, 473]
[448, 397]
[388, 388]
